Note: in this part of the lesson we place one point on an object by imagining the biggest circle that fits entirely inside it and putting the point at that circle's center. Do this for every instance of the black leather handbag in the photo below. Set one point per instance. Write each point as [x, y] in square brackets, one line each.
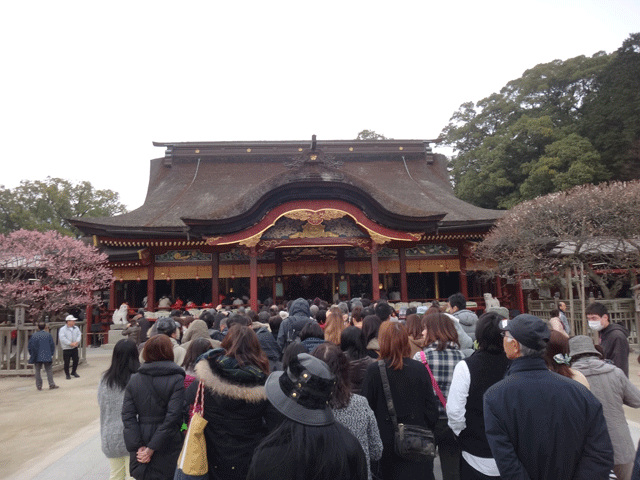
[412, 442]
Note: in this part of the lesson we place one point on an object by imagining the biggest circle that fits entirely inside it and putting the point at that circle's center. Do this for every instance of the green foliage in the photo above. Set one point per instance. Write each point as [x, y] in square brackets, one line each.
[44, 205]
[612, 117]
[370, 135]
[528, 139]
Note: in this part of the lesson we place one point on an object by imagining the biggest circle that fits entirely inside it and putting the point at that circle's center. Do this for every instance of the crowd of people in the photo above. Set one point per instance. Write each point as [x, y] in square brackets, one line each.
[302, 391]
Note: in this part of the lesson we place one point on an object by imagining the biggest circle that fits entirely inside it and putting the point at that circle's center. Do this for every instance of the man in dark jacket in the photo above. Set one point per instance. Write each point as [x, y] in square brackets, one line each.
[41, 350]
[614, 338]
[541, 425]
[290, 328]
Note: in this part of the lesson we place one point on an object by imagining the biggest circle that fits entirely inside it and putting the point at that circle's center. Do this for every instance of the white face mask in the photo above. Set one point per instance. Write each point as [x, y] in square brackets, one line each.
[595, 325]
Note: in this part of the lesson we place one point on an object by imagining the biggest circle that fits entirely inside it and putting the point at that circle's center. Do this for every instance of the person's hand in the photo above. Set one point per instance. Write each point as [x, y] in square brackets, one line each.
[144, 455]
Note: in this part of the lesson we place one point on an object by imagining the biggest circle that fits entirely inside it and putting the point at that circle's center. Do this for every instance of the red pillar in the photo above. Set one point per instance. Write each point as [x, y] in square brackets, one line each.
[112, 295]
[151, 287]
[375, 275]
[253, 272]
[404, 295]
[464, 288]
[520, 294]
[278, 275]
[215, 275]
[89, 315]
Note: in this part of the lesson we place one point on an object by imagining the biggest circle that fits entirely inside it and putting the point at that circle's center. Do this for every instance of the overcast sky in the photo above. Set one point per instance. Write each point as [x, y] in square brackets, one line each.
[87, 86]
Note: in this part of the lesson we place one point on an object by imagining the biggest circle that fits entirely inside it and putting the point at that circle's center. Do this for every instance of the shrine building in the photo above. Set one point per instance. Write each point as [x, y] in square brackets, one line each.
[288, 219]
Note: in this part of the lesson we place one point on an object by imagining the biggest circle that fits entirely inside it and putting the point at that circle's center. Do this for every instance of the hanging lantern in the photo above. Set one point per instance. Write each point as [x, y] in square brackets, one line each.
[138, 278]
[197, 275]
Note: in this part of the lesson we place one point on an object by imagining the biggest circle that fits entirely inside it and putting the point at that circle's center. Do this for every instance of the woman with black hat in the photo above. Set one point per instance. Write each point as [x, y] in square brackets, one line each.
[309, 444]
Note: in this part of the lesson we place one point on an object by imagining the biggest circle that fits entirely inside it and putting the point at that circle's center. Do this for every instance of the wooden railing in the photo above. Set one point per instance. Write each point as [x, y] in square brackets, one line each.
[621, 310]
[14, 354]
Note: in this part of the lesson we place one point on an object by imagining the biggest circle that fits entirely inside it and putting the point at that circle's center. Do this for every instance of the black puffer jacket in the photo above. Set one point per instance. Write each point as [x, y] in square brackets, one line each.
[238, 413]
[152, 416]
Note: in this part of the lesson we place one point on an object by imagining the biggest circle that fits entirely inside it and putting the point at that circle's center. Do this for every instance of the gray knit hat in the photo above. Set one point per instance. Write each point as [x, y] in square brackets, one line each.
[582, 344]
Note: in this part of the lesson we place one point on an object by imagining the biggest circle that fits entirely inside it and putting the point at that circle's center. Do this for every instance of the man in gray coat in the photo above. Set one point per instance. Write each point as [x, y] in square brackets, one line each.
[468, 319]
[611, 386]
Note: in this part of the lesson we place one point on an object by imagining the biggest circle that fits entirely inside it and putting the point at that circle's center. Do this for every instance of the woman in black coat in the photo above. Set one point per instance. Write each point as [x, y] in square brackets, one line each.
[236, 408]
[413, 399]
[152, 412]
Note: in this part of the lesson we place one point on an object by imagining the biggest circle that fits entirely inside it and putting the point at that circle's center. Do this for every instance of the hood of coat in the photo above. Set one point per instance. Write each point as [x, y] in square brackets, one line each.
[466, 317]
[223, 376]
[160, 369]
[300, 308]
[257, 326]
[592, 366]
[197, 329]
[612, 327]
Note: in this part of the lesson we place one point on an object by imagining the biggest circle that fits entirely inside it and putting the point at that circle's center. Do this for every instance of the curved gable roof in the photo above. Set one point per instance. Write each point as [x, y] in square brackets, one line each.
[222, 187]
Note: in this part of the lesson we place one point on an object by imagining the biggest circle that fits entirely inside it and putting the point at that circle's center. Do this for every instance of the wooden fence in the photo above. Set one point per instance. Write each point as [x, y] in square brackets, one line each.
[621, 310]
[14, 354]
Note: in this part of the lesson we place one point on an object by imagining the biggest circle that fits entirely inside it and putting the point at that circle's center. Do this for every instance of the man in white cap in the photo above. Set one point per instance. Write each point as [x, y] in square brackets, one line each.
[70, 337]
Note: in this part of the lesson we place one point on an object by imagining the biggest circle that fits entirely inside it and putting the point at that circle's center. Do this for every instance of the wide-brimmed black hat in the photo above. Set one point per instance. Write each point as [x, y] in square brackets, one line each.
[302, 393]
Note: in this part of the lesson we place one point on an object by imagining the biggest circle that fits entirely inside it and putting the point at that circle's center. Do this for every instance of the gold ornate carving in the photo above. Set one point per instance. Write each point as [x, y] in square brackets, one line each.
[416, 236]
[251, 241]
[378, 238]
[315, 217]
[212, 240]
[311, 230]
[266, 244]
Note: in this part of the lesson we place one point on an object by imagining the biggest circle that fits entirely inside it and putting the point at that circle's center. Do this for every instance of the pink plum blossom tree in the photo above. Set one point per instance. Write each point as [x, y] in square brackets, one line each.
[49, 272]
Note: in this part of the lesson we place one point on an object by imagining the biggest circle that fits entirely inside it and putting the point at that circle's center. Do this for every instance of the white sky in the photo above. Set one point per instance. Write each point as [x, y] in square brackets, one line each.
[87, 86]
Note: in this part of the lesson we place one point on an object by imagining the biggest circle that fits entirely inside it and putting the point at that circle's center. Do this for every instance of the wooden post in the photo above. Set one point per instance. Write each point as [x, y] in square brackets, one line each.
[436, 282]
[112, 295]
[215, 278]
[253, 282]
[464, 288]
[151, 287]
[375, 276]
[278, 261]
[404, 295]
[520, 294]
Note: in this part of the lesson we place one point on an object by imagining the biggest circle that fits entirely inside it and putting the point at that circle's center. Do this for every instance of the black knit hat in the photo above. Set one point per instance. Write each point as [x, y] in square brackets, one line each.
[302, 393]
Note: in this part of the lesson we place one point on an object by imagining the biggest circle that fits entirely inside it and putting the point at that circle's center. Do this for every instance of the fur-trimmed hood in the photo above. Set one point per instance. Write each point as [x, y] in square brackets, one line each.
[218, 382]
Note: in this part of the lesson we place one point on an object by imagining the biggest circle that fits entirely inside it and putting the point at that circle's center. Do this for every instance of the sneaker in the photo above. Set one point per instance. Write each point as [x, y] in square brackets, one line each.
[75, 375]
[68, 377]
[53, 387]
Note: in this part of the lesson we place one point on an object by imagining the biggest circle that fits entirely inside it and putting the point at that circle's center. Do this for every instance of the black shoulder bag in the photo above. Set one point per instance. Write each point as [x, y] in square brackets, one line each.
[412, 442]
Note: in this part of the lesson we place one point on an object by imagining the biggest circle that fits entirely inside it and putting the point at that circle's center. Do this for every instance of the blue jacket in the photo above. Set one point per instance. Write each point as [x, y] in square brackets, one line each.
[41, 347]
[541, 425]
